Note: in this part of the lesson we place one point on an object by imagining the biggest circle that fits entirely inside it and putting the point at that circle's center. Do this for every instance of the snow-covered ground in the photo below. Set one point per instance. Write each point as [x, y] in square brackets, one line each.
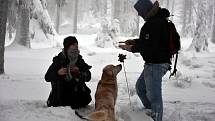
[188, 97]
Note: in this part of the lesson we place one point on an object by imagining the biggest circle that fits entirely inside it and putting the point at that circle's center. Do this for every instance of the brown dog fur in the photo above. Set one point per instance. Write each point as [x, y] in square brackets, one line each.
[106, 95]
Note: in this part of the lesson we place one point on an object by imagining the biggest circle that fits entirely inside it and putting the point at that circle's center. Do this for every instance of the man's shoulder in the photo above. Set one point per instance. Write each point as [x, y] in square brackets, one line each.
[158, 20]
[59, 57]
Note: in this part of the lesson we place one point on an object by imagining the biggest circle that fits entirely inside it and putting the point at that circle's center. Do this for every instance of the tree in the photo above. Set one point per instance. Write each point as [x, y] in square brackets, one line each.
[136, 31]
[167, 4]
[200, 40]
[3, 22]
[173, 8]
[187, 18]
[12, 17]
[190, 11]
[116, 9]
[122, 10]
[23, 23]
[209, 16]
[99, 8]
[75, 21]
[31, 14]
[213, 31]
[59, 4]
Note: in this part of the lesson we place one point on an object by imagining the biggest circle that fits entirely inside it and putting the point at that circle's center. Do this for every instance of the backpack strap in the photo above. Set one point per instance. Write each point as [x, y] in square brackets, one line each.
[175, 67]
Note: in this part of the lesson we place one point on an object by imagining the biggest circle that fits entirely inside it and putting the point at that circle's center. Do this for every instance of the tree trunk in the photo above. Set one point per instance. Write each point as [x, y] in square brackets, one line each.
[104, 7]
[200, 40]
[167, 4]
[209, 16]
[116, 9]
[3, 22]
[184, 24]
[59, 4]
[213, 31]
[161, 2]
[12, 17]
[57, 25]
[75, 22]
[190, 11]
[23, 23]
[173, 8]
[136, 31]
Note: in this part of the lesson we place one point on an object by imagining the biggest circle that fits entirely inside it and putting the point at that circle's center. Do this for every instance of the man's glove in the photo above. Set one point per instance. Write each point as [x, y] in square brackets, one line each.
[126, 47]
[130, 42]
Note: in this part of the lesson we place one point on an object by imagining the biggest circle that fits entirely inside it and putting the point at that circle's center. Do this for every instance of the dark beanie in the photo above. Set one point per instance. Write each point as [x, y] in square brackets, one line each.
[143, 7]
[146, 9]
[165, 12]
[69, 41]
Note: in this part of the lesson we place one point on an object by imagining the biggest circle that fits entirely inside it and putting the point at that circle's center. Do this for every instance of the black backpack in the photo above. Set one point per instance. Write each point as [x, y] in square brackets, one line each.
[174, 45]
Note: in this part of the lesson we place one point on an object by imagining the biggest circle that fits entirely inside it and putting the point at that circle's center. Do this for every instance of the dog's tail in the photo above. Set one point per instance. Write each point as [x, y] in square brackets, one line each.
[97, 116]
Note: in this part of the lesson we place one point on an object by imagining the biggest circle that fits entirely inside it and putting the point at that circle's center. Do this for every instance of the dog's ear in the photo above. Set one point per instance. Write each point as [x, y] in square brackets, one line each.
[108, 70]
[115, 72]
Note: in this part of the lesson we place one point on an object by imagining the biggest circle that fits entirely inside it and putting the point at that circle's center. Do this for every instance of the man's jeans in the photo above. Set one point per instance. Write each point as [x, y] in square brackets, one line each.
[149, 89]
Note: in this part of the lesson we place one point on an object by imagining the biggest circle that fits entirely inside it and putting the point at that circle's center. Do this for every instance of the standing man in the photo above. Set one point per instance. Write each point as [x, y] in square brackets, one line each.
[153, 45]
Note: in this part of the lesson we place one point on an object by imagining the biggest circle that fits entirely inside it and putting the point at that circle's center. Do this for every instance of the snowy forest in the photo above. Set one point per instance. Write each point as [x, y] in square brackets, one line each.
[32, 33]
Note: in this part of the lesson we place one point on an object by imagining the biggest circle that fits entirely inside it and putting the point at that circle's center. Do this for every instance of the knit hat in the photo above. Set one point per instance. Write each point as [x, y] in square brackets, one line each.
[146, 8]
[165, 12]
[71, 40]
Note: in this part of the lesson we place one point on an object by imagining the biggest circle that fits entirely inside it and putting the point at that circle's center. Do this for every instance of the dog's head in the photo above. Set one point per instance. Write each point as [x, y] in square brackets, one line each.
[111, 70]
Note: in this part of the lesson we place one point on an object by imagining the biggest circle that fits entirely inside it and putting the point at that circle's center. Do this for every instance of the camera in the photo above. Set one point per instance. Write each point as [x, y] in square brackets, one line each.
[121, 57]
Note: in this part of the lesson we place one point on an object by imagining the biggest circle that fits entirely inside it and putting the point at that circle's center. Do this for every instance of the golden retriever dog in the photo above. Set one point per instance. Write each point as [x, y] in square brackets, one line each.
[106, 95]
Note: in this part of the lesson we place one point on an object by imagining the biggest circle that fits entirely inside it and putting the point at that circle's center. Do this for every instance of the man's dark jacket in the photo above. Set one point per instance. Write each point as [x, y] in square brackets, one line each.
[64, 92]
[153, 43]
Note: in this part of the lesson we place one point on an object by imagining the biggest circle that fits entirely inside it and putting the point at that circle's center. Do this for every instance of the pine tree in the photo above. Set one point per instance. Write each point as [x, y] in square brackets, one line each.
[57, 24]
[22, 31]
[29, 11]
[200, 40]
[3, 21]
[59, 4]
[167, 4]
[185, 16]
[173, 8]
[116, 9]
[190, 11]
[12, 17]
[75, 21]
[213, 31]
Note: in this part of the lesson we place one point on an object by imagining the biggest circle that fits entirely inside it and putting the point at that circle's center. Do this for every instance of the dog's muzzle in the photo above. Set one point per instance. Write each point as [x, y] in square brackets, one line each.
[119, 67]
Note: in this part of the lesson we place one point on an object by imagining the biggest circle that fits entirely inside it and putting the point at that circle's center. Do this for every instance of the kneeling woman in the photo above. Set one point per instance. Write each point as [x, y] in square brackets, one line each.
[68, 74]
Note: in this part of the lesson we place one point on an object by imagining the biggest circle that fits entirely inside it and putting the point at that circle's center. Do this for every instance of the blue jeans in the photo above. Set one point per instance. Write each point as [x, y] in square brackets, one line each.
[149, 88]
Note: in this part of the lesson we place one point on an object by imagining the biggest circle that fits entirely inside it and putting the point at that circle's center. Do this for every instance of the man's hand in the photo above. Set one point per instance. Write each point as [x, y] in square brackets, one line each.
[62, 71]
[126, 47]
[130, 42]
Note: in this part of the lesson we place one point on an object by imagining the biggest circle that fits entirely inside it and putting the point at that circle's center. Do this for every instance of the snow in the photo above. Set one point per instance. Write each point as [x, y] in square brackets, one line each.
[187, 97]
